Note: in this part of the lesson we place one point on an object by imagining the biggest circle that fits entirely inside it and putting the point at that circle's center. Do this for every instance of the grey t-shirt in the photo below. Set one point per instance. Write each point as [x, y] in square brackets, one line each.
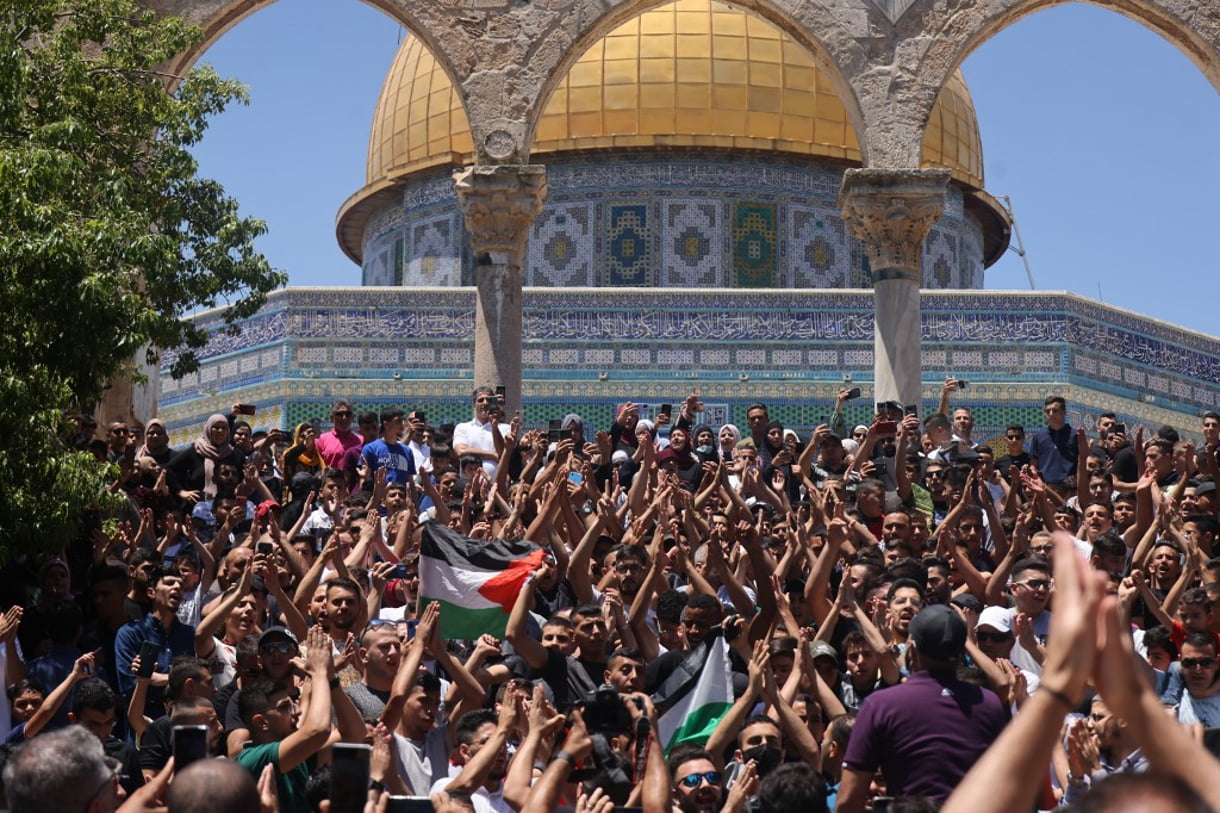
[369, 703]
[422, 762]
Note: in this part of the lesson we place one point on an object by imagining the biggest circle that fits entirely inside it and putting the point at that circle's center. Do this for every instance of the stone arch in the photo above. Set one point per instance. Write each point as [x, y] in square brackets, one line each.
[814, 26]
[217, 17]
[954, 33]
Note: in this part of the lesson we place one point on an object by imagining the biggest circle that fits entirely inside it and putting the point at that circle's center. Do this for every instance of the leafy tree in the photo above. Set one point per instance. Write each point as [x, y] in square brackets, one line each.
[109, 237]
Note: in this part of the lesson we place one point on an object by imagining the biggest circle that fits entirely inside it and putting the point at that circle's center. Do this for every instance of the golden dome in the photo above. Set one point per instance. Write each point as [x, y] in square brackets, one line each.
[691, 73]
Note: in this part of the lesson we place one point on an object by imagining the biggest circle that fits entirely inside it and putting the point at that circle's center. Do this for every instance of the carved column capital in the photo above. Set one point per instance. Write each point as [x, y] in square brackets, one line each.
[499, 204]
[891, 211]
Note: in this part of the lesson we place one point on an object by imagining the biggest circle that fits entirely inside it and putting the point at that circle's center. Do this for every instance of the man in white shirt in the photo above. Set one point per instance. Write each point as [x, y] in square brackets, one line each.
[474, 437]
[417, 422]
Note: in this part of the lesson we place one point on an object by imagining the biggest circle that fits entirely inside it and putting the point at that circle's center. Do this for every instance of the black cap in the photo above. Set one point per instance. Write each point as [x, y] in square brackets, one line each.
[939, 633]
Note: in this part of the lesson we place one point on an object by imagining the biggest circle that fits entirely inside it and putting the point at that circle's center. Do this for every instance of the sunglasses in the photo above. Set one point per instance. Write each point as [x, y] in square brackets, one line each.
[1036, 584]
[1198, 663]
[1016, 437]
[278, 648]
[696, 779]
[994, 637]
[342, 414]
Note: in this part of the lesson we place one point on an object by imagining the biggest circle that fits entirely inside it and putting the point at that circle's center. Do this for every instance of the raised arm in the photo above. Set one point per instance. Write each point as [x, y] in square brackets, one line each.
[527, 647]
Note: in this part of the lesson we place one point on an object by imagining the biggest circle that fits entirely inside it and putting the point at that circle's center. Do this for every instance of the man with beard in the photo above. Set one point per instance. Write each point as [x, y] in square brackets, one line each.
[696, 781]
[162, 627]
[1113, 751]
[343, 600]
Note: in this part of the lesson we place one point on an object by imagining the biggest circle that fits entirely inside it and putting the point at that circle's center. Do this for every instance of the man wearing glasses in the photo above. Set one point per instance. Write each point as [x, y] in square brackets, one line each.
[67, 766]
[1015, 454]
[334, 445]
[1031, 587]
[696, 781]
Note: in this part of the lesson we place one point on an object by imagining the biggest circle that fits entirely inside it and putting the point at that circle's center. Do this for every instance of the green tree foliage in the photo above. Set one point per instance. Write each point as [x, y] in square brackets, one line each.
[109, 237]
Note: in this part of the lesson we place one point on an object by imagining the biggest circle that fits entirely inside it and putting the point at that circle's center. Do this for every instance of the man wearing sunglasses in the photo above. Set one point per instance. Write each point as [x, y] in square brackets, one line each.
[334, 445]
[996, 637]
[1031, 587]
[696, 782]
[1199, 704]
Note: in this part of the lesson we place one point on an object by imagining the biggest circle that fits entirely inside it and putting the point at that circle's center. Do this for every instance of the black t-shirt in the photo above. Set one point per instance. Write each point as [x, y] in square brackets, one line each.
[1003, 464]
[157, 744]
[568, 678]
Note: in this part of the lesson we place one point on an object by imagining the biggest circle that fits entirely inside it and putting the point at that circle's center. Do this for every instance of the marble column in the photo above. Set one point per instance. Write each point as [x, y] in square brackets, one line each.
[499, 204]
[891, 211]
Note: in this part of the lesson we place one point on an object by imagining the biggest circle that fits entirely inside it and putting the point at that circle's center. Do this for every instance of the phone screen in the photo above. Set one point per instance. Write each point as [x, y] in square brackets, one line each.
[190, 745]
[349, 777]
[265, 548]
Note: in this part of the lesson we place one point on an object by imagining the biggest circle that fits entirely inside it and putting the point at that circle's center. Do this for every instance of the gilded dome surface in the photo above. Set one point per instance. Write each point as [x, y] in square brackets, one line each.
[695, 73]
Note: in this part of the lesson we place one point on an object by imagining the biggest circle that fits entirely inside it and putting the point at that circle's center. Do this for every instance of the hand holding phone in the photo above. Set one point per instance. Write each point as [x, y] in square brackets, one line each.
[149, 651]
[190, 745]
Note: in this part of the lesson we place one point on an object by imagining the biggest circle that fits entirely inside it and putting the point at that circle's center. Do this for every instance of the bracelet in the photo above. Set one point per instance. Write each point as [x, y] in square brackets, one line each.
[566, 757]
[1060, 696]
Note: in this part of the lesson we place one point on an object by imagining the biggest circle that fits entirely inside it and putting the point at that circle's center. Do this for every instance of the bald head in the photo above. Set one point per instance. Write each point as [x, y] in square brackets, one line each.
[213, 784]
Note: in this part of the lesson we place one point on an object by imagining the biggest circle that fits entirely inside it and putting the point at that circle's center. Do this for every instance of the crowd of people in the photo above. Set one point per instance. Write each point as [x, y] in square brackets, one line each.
[886, 617]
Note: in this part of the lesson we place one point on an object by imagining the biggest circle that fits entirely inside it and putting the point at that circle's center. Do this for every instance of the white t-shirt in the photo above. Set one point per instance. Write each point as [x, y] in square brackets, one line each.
[480, 799]
[478, 436]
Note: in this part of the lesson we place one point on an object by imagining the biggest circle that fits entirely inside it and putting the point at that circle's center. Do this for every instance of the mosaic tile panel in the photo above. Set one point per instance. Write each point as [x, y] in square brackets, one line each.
[819, 254]
[692, 246]
[940, 264]
[432, 252]
[561, 247]
[628, 256]
[755, 245]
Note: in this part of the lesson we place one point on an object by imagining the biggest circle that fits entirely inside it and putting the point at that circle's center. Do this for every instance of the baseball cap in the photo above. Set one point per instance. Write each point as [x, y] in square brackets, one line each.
[277, 633]
[939, 633]
[822, 649]
[998, 618]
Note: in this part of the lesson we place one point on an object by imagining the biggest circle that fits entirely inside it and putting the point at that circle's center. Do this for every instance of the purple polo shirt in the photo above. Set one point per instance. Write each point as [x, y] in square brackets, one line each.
[924, 734]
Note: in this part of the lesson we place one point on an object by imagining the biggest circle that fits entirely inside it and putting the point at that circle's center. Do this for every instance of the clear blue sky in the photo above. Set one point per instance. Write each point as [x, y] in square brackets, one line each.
[1102, 133]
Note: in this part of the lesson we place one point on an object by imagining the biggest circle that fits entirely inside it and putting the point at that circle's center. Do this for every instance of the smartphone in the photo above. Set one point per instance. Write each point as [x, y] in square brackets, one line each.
[667, 409]
[245, 409]
[854, 392]
[910, 409]
[961, 385]
[887, 427]
[500, 394]
[190, 745]
[576, 477]
[265, 548]
[149, 652]
[412, 625]
[349, 777]
[554, 430]
[420, 417]
[1118, 429]
[399, 571]
[409, 804]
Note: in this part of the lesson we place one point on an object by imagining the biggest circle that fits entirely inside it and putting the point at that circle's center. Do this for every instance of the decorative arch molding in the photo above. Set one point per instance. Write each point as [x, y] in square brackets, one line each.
[218, 17]
[950, 33]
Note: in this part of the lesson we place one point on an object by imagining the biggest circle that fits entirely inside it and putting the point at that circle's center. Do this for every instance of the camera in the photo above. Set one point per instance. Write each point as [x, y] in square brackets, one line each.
[605, 712]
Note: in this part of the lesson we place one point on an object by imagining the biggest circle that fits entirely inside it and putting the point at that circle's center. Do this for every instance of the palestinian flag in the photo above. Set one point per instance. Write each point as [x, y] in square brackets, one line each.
[696, 696]
[475, 581]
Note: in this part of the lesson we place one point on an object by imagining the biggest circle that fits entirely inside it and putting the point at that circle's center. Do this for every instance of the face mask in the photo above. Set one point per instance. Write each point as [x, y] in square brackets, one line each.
[706, 450]
[766, 758]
